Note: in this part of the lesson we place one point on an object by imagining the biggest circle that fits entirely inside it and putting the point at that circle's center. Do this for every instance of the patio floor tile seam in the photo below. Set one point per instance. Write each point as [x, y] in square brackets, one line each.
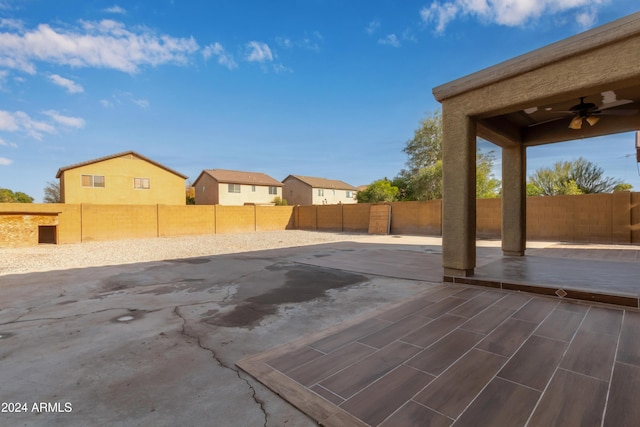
[390, 416]
[539, 322]
[615, 360]
[506, 361]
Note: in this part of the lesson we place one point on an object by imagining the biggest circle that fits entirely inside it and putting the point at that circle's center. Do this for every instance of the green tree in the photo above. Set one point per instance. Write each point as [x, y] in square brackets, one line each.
[422, 177]
[573, 177]
[8, 196]
[623, 187]
[52, 193]
[487, 186]
[279, 201]
[381, 190]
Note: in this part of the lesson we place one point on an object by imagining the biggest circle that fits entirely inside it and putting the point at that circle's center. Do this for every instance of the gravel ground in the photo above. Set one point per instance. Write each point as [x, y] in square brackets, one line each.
[91, 254]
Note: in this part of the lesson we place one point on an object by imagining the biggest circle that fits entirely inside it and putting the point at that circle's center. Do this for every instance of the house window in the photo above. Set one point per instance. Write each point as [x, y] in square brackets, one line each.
[93, 181]
[234, 188]
[320, 192]
[253, 188]
[141, 183]
[273, 190]
[349, 194]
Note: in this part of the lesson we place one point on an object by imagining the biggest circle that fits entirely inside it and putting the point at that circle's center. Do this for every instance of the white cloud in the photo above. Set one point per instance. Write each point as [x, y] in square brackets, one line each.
[122, 97]
[74, 122]
[279, 68]
[222, 56]
[509, 12]
[69, 85]
[8, 122]
[115, 9]
[19, 121]
[285, 42]
[440, 14]
[7, 144]
[310, 41]
[142, 103]
[5, 162]
[390, 40]
[12, 24]
[33, 128]
[373, 26]
[104, 44]
[258, 52]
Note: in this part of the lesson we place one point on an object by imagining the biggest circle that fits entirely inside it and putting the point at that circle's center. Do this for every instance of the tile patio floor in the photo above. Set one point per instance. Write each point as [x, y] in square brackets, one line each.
[466, 356]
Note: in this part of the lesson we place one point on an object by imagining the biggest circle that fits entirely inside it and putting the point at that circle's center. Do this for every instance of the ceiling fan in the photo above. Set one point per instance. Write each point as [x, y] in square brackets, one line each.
[590, 112]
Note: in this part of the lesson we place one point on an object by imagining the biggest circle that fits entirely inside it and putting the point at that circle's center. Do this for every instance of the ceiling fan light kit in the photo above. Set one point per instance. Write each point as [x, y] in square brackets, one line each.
[588, 111]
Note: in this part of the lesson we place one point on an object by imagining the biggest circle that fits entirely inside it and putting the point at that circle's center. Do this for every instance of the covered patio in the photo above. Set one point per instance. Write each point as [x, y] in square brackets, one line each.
[584, 86]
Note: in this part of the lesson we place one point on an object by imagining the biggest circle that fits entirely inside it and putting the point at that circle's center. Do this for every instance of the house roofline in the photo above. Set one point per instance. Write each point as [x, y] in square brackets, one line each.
[113, 156]
[274, 183]
[598, 37]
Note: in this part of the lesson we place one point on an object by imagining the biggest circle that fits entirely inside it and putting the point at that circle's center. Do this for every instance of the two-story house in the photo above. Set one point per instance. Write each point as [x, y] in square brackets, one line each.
[229, 187]
[307, 190]
[122, 178]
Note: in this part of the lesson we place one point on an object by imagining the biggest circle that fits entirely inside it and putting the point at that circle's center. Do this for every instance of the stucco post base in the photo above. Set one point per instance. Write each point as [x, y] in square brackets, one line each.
[458, 272]
[512, 253]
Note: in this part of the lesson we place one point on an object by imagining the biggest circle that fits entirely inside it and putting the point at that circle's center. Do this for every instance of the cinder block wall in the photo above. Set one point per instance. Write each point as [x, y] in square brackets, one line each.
[635, 217]
[186, 220]
[235, 219]
[306, 217]
[417, 217]
[356, 217]
[329, 217]
[606, 218]
[114, 222]
[273, 218]
[488, 218]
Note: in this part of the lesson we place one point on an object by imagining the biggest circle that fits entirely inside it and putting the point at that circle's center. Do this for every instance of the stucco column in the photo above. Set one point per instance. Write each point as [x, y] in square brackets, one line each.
[514, 200]
[459, 193]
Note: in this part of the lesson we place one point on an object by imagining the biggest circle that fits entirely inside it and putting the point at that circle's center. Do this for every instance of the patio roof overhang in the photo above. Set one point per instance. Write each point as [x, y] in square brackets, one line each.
[521, 100]
[527, 101]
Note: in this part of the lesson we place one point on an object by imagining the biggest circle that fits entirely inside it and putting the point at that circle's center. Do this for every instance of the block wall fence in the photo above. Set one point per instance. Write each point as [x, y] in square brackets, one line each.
[596, 218]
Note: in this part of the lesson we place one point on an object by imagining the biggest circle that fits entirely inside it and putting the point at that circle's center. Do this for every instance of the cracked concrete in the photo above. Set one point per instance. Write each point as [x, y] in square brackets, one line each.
[61, 340]
[233, 368]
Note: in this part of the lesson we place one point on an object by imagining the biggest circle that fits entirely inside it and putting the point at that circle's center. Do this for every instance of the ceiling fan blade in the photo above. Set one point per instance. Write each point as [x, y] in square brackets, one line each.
[615, 113]
[615, 104]
[546, 121]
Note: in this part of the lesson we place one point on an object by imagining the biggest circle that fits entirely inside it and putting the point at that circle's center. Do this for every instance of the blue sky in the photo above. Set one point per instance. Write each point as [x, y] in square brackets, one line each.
[326, 88]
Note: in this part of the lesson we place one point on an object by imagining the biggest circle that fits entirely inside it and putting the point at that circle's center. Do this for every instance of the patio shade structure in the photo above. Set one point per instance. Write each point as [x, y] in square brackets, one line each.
[584, 86]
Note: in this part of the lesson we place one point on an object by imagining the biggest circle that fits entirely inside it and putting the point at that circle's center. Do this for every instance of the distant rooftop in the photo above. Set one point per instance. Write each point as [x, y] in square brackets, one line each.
[240, 177]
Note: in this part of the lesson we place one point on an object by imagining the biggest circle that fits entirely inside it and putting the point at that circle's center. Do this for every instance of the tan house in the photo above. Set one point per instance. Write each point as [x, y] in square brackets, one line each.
[229, 187]
[122, 178]
[307, 190]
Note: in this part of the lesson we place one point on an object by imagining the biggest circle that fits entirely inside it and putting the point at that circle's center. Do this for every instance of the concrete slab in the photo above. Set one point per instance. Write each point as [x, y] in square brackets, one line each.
[156, 343]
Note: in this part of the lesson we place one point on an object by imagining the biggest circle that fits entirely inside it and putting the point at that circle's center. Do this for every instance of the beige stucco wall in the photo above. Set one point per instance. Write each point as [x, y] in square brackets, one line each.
[332, 197]
[165, 187]
[258, 194]
[206, 190]
[297, 192]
